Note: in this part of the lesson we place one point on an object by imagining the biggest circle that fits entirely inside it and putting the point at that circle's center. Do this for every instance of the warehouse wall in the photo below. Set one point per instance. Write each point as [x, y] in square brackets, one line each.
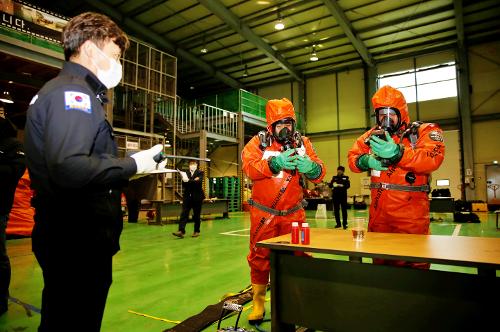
[484, 67]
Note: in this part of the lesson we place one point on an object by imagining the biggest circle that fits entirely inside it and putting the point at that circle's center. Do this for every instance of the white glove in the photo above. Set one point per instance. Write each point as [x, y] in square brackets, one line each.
[144, 160]
[184, 176]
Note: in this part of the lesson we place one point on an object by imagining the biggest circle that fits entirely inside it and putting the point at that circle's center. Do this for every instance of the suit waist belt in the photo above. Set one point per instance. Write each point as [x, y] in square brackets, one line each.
[399, 187]
[275, 212]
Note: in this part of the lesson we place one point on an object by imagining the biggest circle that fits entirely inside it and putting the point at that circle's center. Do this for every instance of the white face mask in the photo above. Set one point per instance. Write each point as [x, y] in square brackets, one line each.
[192, 168]
[111, 77]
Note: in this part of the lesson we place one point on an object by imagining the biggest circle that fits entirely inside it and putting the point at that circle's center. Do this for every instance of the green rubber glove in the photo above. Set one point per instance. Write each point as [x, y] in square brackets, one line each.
[284, 160]
[386, 149]
[366, 162]
[308, 167]
[311, 169]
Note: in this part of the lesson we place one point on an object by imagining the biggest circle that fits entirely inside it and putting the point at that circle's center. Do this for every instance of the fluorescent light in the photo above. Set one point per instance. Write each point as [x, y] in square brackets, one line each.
[279, 25]
[6, 98]
[314, 56]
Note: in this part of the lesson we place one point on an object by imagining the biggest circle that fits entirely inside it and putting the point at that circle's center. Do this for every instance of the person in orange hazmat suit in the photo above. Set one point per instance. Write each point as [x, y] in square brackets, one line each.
[276, 160]
[401, 157]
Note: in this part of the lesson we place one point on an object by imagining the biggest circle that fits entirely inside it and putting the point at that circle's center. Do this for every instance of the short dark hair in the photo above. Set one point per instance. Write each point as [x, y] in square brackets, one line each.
[91, 26]
[341, 168]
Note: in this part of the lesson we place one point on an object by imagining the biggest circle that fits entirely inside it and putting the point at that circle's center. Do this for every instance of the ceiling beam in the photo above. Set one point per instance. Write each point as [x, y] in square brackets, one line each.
[218, 8]
[160, 41]
[339, 15]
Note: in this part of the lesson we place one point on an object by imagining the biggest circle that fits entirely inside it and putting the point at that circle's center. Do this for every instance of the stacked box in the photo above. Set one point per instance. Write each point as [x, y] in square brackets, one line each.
[227, 188]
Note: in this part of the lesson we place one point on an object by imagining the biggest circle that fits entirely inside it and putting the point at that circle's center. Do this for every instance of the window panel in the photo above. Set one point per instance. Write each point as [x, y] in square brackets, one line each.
[434, 83]
[434, 75]
[437, 90]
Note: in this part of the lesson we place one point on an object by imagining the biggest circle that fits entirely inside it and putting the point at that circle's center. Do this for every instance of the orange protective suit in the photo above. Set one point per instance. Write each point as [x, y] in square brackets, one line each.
[21, 217]
[399, 211]
[282, 191]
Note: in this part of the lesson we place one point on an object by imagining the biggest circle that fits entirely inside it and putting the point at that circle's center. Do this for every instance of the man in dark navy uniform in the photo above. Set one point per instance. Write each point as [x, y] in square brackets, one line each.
[77, 176]
[340, 183]
[192, 183]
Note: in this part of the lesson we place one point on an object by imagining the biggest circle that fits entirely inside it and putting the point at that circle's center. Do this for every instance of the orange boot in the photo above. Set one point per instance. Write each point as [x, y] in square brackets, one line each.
[259, 297]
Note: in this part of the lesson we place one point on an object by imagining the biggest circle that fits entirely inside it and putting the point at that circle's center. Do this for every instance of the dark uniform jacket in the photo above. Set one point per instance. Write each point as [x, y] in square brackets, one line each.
[340, 193]
[72, 157]
[11, 165]
[193, 189]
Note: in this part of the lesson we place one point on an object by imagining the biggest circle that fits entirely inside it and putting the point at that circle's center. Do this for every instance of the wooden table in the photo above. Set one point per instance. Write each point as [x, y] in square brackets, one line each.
[173, 209]
[332, 295]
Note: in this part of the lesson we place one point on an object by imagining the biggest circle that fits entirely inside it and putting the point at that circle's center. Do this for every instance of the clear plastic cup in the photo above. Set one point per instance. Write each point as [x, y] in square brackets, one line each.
[358, 229]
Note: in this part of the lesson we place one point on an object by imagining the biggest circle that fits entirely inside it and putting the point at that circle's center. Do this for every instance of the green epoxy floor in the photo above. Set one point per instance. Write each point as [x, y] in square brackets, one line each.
[167, 278]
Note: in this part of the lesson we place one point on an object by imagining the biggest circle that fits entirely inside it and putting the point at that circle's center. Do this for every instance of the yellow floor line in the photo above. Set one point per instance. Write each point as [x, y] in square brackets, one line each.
[156, 318]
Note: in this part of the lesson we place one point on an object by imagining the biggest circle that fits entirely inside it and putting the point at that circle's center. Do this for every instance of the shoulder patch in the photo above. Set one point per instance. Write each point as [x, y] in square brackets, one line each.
[79, 101]
[436, 136]
[33, 100]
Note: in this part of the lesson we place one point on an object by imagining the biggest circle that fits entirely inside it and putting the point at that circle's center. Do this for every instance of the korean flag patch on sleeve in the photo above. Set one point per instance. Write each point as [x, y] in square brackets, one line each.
[79, 101]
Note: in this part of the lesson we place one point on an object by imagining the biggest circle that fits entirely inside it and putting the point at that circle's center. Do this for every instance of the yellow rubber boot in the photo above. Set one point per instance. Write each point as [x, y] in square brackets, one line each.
[259, 297]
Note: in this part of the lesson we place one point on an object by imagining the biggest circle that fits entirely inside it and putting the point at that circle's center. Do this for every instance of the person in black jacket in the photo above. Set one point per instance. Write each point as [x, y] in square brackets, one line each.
[11, 169]
[340, 183]
[77, 176]
[192, 182]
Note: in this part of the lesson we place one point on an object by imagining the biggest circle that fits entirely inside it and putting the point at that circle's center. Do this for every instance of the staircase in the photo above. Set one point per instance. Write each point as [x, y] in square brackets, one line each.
[189, 130]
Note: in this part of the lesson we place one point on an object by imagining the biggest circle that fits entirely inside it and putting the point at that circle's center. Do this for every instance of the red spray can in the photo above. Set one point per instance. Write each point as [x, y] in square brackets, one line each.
[304, 233]
[295, 232]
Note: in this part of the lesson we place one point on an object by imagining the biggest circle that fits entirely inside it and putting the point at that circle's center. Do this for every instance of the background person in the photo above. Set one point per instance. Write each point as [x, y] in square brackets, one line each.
[275, 161]
[192, 183]
[11, 169]
[77, 177]
[401, 161]
[339, 184]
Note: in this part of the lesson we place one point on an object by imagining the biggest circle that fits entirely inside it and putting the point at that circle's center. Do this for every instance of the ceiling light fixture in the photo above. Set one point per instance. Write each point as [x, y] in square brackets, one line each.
[6, 98]
[204, 49]
[314, 56]
[279, 23]
[245, 73]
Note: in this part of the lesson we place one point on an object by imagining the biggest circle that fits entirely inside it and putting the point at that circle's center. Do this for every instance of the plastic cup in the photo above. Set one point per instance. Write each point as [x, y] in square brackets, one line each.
[358, 229]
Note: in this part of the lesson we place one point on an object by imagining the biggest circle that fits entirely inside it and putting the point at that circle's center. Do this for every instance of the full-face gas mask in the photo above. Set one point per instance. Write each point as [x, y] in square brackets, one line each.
[285, 135]
[385, 119]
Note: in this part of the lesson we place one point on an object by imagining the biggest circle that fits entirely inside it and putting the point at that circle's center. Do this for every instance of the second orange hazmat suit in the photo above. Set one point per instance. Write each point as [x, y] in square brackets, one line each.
[395, 207]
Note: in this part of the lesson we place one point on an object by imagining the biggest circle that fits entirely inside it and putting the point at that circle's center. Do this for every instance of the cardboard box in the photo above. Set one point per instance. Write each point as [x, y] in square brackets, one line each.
[479, 207]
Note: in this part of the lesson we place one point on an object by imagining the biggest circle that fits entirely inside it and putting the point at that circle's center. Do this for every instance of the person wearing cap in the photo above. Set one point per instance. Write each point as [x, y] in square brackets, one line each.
[400, 157]
[77, 176]
[339, 184]
[276, 160]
